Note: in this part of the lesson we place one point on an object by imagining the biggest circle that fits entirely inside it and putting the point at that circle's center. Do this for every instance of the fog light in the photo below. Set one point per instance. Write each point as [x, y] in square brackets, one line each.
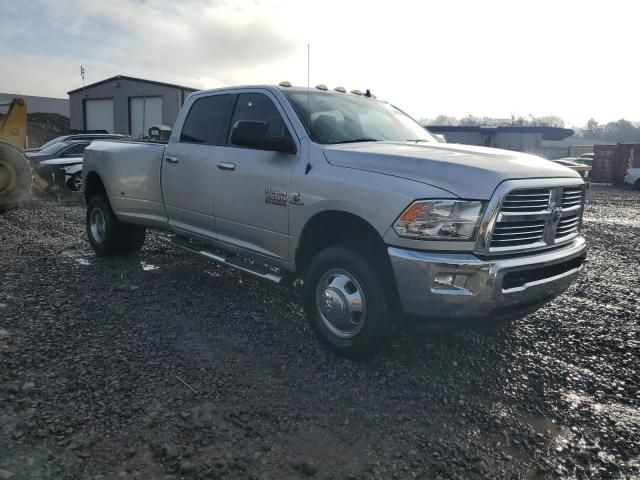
[451, 284]
[444, 280]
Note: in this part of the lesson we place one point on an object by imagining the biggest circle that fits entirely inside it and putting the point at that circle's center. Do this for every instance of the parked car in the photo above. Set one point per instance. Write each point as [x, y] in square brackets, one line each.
[381, 221]
[632, 178]
[582, 168]
[586, 159]
[64, 172]
[66, 149]
[82, 136]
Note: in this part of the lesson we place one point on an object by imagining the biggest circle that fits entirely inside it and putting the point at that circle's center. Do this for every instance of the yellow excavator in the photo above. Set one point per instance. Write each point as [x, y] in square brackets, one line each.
[16, 177]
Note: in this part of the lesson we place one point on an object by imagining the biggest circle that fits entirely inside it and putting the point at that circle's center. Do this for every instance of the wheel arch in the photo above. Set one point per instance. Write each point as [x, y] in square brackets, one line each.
[332, 227]
[93, 185]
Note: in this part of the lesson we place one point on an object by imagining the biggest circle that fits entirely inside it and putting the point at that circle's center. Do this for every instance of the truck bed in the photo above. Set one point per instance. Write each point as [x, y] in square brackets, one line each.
[131, 173]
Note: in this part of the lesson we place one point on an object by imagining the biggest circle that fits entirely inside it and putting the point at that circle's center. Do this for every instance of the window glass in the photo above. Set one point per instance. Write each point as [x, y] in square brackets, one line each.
[258, 107]
[52, 142]
[341, 118]
[207, 120]
[53, 149]
[75, 149]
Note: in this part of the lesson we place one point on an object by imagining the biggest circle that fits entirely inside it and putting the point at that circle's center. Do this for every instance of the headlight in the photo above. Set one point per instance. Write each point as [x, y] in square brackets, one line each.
[440, 220]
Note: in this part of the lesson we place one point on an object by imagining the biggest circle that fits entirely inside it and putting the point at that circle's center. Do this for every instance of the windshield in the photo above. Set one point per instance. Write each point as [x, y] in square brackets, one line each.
[52, 142]
[53, 149]
[341, 118]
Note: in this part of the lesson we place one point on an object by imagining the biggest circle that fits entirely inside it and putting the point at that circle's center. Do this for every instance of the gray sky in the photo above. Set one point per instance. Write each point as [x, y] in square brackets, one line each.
[574, 59]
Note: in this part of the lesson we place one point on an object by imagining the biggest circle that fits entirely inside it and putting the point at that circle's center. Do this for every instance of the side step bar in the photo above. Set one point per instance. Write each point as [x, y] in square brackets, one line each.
[256, 270]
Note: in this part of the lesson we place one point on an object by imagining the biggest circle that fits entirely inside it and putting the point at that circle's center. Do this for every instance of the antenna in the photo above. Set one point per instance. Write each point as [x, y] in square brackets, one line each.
[308, 109]
[82, 74]
[308, 86]
[308, 93]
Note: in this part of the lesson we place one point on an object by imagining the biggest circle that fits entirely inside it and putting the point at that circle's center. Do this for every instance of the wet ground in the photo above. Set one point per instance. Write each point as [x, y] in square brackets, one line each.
[162, 366]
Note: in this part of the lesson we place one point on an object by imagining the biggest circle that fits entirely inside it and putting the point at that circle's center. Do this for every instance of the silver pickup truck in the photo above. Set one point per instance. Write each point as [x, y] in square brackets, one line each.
[382, 222]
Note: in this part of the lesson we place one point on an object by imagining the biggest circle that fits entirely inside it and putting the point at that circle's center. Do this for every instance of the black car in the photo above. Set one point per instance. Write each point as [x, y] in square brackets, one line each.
[81, 136]
[66, 149]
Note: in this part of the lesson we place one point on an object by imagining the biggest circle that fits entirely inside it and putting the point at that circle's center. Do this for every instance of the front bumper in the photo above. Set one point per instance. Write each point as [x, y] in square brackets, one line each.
[445, 287]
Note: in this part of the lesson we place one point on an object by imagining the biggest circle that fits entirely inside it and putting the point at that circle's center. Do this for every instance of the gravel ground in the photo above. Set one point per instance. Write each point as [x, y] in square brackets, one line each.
[161, 366]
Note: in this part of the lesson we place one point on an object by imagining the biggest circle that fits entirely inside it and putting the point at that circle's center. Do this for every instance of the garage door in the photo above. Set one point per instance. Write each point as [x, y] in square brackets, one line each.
[144, 112]
[99, 114]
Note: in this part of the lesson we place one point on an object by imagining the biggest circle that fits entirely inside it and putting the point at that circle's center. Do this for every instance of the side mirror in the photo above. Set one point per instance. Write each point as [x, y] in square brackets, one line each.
[253, 134]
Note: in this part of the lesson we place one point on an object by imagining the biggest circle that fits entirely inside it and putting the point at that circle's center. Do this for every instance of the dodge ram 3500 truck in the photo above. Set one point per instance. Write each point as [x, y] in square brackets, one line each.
[380, 221]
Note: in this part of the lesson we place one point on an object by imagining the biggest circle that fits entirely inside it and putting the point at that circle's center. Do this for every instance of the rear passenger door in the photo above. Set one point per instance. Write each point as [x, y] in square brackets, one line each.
[252, 186]
[189, 164]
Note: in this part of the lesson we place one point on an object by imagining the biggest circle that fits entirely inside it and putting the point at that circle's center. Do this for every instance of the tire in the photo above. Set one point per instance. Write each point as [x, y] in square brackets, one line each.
[109, 236]
[334, 275]
[75, 183]
[16, 177]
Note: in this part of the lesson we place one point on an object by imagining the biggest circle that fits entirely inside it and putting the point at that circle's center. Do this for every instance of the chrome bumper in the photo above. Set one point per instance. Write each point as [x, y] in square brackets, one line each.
[449, 286]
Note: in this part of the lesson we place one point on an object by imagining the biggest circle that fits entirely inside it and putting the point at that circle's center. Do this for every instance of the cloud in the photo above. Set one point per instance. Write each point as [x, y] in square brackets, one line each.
[483, 58]
[196, 43]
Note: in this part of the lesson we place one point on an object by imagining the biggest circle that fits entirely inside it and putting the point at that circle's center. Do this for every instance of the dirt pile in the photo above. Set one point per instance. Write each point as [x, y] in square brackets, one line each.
[42, 127]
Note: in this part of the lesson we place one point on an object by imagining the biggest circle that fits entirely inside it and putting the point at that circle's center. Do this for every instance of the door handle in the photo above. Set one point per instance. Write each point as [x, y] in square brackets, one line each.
[227, 166]
[171, 159]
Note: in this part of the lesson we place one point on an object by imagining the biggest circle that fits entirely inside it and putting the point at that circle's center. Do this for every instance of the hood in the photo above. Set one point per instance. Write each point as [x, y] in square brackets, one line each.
[464, 170]
[62, 161]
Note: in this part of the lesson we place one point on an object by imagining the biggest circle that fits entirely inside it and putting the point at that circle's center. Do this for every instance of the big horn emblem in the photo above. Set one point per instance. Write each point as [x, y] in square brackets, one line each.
[556, 214]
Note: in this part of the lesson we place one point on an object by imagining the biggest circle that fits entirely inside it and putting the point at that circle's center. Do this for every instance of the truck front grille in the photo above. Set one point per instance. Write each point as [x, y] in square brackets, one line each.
[572, 196]
[533, 218]
[527, 200]
[567, 226]
[509, 234]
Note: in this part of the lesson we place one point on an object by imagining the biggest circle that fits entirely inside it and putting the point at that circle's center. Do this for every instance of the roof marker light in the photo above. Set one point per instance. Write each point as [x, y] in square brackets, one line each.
[340, 89]
[356, 92]
[285, 83]
[322, 86]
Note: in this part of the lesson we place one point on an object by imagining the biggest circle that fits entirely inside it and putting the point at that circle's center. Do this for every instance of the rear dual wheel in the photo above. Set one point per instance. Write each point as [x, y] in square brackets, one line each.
[108, 235]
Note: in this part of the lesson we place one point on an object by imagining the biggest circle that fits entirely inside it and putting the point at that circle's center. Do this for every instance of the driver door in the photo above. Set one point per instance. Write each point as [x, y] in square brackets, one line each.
[252, 186]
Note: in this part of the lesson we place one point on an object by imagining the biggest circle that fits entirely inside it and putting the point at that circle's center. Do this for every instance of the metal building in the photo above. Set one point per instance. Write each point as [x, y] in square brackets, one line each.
[522, 139]
[38, 104]
[126, 105]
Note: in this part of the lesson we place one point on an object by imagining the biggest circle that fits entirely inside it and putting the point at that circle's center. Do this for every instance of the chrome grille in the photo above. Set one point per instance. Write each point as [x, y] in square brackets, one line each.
[527, 200]
[530, 218]
[572, 196]
[509, 234]
[567, 226]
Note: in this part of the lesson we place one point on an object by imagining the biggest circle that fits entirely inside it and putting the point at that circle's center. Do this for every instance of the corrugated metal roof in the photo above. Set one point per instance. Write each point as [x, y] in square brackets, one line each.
[134, 79]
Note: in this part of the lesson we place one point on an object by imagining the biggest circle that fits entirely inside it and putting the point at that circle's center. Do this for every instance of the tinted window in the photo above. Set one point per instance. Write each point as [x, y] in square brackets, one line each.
[53, 149]
[52, 142]
[73, 150]
[259, 108]
[207, 120]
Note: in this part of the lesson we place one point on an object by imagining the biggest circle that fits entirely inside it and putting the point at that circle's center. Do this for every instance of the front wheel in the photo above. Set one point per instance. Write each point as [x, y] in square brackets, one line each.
[346, 303]
[108, 235]
[75, 183]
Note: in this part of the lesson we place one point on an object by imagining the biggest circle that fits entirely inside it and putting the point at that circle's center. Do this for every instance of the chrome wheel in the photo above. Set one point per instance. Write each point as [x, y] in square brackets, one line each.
[97, 225]
[340, 302]
[75, 183]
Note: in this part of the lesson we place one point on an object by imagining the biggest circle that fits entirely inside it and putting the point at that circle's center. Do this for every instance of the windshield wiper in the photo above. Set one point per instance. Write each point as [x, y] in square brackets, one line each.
[356, 140]
[417, 140]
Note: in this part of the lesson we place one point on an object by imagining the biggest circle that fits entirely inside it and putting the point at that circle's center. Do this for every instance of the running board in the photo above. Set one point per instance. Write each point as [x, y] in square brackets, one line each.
[256, 270]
